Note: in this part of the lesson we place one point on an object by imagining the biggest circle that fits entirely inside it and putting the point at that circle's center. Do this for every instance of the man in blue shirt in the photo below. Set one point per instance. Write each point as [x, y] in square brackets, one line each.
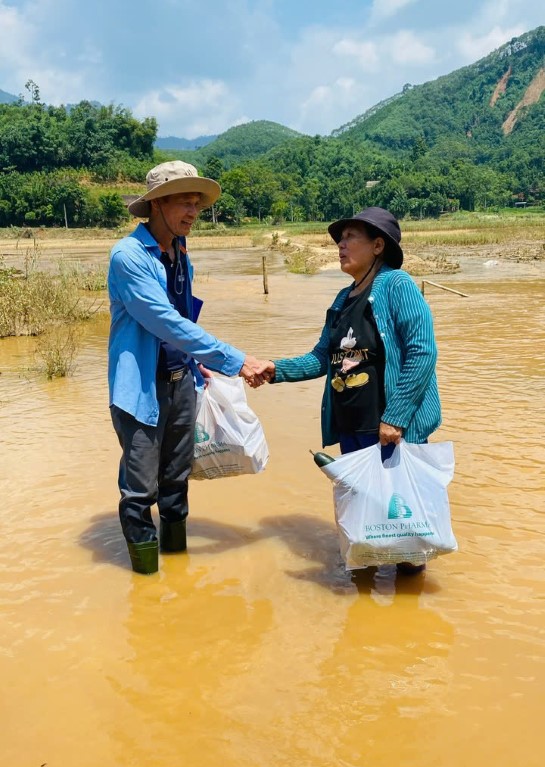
[156, 358]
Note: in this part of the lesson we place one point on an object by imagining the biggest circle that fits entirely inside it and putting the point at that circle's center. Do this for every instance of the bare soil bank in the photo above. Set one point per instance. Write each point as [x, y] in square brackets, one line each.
[314, 252]
[303, 252]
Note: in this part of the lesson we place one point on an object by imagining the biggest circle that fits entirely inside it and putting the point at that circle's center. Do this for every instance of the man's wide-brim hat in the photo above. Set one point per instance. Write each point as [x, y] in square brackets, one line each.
[387, 225]
[174, 177]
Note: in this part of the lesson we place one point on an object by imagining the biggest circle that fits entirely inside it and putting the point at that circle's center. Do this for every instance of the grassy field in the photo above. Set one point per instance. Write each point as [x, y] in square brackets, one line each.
[456, 228]
[461, 228]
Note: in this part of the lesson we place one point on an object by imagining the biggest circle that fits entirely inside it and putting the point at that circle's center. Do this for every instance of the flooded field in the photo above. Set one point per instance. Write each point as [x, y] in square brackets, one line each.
[256, 648]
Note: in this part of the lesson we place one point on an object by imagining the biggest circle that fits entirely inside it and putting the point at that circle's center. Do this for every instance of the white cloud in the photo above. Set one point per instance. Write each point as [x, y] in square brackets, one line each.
[406, 48]
[383, 9]
[17, 40]
[318, 98]
[328, 104]
[24, 56]
[474, 46]
[91, 55]
[365, 53]
[338, 76]
[201, 107]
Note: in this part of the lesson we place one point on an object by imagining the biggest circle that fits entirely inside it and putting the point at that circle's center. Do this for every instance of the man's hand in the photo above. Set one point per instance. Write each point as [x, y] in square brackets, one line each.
[256, 372]
[206, 374]
[388, 433]
[263, 374]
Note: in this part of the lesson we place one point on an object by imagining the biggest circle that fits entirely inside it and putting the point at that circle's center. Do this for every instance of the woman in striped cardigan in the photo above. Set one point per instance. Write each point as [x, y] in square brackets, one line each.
[377, 347]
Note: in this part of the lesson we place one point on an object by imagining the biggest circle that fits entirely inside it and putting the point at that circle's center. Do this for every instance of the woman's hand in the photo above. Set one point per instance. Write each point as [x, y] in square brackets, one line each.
[253, 371]
[388, 433]
[264, 373]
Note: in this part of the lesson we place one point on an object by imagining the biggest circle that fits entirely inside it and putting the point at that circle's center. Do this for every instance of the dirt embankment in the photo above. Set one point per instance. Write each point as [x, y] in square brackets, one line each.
[532, 96]
[310, 253]
[501, 87]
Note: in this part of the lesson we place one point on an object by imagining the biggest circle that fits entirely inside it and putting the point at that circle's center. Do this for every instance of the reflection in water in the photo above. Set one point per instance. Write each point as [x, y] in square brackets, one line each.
[256, 647]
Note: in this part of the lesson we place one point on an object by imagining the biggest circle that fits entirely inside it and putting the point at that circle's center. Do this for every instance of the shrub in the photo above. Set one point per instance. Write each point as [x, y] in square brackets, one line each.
[92, 277]
[112, 210]
[31, 301]
[56, 351]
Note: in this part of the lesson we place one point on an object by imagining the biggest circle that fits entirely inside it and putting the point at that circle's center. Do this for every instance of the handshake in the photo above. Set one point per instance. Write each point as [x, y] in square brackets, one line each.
[257, 372]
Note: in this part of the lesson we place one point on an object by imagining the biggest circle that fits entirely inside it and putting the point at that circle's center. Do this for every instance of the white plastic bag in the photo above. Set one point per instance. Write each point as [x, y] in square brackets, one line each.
[397, 511]
[229, 439]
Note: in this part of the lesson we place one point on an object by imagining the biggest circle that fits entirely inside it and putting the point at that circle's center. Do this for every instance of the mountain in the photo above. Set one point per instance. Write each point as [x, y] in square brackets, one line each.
[7, 98]
[484, 105]
[174, 142]
[241, 143]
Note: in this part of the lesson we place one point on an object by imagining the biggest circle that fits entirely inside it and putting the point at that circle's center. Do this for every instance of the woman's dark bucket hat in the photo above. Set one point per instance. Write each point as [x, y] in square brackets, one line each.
[382, 220]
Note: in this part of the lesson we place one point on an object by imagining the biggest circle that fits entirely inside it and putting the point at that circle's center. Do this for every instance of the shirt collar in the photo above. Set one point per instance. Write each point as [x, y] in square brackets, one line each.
[143, 234]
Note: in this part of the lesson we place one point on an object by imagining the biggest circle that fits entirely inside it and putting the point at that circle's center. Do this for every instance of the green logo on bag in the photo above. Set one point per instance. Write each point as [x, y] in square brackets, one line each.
[200, 434]
[398, 509]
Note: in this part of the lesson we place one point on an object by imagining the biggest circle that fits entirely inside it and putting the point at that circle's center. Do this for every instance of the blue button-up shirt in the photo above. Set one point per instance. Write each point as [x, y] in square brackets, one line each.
[141, 317]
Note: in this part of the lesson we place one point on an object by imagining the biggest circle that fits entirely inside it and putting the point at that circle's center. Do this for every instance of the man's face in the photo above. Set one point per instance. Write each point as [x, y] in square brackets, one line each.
[179, 211]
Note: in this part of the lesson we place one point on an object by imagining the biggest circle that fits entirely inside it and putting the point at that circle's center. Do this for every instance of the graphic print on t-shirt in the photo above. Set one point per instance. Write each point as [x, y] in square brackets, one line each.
[348, 357]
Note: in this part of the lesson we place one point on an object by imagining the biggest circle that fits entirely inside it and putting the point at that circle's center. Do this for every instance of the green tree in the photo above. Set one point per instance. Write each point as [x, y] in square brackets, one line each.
[112, 210]
[213, 168]
[229, 209]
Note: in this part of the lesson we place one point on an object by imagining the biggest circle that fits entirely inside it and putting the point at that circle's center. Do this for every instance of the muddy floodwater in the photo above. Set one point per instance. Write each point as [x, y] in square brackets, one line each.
[256, 649]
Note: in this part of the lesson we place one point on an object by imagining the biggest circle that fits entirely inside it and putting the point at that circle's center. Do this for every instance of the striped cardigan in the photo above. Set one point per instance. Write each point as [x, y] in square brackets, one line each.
[405, 325]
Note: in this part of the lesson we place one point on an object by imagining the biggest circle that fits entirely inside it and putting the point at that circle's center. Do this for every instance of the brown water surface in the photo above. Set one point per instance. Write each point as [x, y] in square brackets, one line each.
[256, 649]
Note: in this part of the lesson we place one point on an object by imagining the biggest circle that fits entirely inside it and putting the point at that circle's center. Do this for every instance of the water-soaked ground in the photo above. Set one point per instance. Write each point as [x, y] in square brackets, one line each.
[256, 649]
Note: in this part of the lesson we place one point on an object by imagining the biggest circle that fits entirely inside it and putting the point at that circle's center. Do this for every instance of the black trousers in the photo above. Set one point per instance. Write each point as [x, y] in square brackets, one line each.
[156, 460]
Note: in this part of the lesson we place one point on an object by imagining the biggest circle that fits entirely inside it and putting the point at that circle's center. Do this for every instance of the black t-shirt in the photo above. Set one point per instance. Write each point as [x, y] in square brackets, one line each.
[357, 360]
[170, 357]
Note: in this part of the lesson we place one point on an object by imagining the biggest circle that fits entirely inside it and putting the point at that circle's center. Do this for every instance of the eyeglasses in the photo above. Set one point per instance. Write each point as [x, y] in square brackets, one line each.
[351, 381]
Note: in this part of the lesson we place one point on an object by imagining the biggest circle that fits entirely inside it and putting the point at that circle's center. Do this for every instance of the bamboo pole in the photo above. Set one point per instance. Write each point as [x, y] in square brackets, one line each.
[443, 287]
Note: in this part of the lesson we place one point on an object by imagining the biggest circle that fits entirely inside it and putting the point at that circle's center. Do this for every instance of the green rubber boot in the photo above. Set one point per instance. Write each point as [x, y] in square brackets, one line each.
[173, 536]
[144, 557]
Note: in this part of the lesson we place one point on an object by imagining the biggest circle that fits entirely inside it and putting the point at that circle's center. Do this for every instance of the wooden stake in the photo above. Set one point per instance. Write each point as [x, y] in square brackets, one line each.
[436, 285]
[265, 276]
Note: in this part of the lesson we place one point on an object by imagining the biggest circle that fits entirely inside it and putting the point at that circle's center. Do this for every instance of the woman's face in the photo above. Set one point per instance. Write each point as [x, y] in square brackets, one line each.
[357, 251]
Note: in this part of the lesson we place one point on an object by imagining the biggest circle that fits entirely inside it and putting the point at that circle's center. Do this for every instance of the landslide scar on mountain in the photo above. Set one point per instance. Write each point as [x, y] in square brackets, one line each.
[500, 87]
[532, 96]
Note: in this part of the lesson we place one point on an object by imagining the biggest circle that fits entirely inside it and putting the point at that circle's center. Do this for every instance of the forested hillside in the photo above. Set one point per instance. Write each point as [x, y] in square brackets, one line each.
[50, 156]
[175, 142]
[472, 139]
[469, 140]
[472, 103]
[241, 143]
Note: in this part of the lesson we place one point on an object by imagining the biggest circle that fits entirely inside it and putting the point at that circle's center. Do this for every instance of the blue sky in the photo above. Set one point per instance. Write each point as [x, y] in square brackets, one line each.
[201, 68]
